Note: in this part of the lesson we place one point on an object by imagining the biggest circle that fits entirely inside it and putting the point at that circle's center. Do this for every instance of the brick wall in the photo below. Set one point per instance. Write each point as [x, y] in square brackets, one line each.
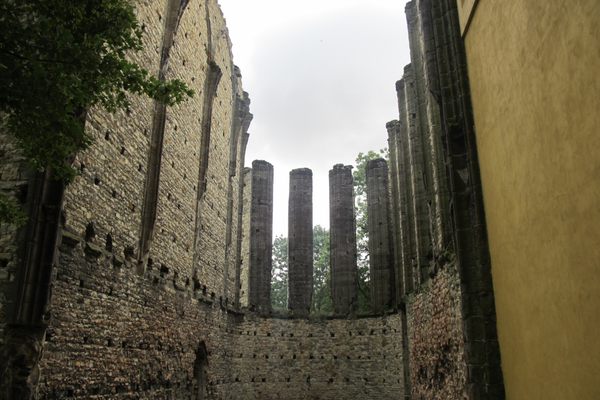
[435, 336]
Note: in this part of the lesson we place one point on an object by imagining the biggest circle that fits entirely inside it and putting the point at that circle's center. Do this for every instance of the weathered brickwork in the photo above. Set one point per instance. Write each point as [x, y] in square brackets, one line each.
[235, 192]
[426, 92]
[437, 218]
[418, 184]
[435, 334]
[213, 204]
[13, 181]
[318, 359]
[115, 334]
[165, 245]
[112, 172]
[149, 346]
[138, 204]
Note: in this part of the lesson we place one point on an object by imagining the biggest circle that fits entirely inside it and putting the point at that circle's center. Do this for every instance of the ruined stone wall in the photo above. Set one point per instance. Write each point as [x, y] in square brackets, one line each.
[422, 41]
[437, 217]
[13, 182]
[435, 337]
[155, 244]
[235, 191]
[213, 204]
[150, 230]
[172, 245]
[115, 334]
[318, 359]
[111, 190]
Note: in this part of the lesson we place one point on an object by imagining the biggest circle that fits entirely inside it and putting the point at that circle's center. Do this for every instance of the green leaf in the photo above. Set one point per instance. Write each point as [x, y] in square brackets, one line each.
[61, 58]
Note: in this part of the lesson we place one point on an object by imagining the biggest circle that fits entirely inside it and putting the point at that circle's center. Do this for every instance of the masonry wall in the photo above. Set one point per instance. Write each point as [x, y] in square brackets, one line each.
[13, 182]
[114, 177]
[235, 239]
[213, 205]
[112, 171]
[318, 359]
[533, 74]
[437, 217]
[435, 336]
[134, 295]
[117, 335]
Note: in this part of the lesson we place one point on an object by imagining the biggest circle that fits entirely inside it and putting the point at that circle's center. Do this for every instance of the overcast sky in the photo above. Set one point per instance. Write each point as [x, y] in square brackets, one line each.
[321, 75]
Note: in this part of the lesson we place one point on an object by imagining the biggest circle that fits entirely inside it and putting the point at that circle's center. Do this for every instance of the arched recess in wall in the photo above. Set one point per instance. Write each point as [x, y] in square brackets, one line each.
[174, 12]
[200, 373]
[211, 85]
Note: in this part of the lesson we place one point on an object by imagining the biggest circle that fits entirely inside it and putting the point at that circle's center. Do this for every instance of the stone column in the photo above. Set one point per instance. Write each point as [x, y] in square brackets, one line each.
[261, 237]
[393, 129]
[342, 239]
[423, 48]
[380, 249]
[406, 209]
[300, 242]
[421, 201]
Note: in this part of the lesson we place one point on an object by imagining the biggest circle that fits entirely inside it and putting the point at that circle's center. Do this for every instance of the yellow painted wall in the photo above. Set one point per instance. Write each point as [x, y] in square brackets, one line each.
[534, 68]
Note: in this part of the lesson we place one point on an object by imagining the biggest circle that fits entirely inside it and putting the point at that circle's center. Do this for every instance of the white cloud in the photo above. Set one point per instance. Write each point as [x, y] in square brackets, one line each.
[321, 76]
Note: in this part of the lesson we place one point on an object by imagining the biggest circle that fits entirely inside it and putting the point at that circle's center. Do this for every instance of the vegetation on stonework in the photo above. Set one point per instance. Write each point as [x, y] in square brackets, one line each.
[362, 226]
[322, 302]
[58, 59]
[10, 211]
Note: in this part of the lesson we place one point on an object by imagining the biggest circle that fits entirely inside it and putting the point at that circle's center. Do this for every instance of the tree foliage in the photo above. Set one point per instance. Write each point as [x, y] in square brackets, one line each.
[322, 302]
[10, 212]
[60, 58]
[279, 277]
[362, 228]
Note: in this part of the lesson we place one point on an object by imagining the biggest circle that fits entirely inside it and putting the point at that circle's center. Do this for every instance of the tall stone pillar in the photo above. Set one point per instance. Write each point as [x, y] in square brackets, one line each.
[380, 248]
[406, 208]
[261, 237]
[300, 242]
[342, 235]
[418, 174]
[423, 48]
[393, 128]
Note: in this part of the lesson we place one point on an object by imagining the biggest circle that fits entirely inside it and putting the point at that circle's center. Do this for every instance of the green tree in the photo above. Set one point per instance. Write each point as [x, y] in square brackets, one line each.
[60, 58]
[321, 302]
[279, 277]
[362, 232]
